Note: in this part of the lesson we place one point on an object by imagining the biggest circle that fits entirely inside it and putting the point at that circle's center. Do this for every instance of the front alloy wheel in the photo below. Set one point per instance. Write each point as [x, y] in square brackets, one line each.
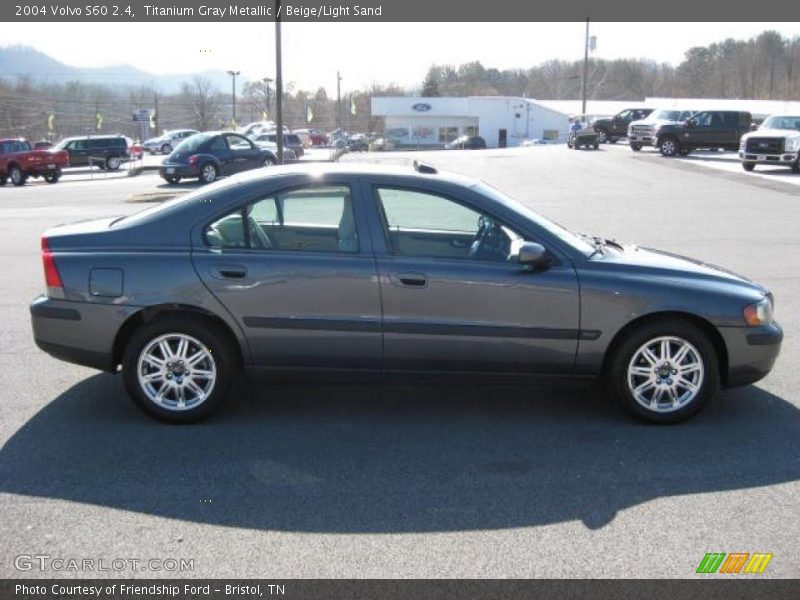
[665, 371]
[17, 176]
[669, 146]
[665, 374]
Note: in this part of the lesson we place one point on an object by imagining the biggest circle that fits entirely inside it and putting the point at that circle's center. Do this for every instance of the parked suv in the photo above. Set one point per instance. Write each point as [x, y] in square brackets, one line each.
[775, 142]
[610, 130]
[105, 151]
[705, 129]
[641, 133]
[291, 141]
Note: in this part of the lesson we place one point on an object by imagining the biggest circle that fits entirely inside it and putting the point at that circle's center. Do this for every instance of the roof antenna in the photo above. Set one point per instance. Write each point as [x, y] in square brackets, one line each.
[421, 167]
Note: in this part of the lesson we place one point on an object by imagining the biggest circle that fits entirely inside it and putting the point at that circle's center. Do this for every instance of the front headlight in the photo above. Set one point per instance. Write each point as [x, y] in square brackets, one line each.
[759, 313]
[793, 145]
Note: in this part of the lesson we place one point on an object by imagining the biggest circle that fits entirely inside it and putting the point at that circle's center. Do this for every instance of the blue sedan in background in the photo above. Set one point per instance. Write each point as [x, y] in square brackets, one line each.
[211, 155]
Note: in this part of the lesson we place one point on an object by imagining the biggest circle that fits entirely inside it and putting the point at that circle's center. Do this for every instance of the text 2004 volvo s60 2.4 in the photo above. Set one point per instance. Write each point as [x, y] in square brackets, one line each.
[363, 269]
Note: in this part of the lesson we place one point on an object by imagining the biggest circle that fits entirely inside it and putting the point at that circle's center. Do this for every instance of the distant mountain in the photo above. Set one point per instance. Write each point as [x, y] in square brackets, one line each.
[18, 61]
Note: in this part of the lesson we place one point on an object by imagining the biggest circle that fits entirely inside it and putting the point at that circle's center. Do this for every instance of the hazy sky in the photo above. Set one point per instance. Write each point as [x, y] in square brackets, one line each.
[363, 52]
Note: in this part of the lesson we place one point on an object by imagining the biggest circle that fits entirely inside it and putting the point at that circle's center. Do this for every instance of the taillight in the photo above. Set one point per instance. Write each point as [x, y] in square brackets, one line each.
[51, 276]
[193, 159]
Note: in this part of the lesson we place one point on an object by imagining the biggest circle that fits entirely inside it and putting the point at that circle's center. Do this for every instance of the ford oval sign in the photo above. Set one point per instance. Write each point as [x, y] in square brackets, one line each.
[421, 107]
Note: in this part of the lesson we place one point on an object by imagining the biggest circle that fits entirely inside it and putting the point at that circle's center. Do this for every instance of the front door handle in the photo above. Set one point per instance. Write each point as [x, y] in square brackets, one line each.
[229, 272]
[416, 280]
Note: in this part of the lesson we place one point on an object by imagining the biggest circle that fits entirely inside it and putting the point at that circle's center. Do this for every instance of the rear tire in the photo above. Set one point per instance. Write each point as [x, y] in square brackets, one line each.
[17, 176]
[669, 146]
[3, 180]
[113, 163]
[663, 386]
[635, 146]
[208, 173]
[602, 136]
[52, 177]
[202, 386]
[173, 179]
[166, 149]
[796, 166]
[748, 166]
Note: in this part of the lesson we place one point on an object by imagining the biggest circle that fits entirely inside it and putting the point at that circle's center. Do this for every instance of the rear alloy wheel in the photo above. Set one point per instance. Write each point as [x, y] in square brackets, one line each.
[748, 166]
[166, 149]
[208, 174]
[669, 146]
[177, 369]
[636, 146]
[16, 176]
[665, 372]
[113, 163]
[268, 162]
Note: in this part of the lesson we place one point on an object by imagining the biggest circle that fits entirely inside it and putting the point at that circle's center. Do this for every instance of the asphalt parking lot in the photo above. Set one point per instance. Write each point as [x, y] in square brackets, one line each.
[405, 479]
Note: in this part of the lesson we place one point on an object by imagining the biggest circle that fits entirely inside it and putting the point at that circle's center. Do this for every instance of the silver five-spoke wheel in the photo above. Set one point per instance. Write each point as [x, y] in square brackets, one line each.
[665, 374]
[176, 371]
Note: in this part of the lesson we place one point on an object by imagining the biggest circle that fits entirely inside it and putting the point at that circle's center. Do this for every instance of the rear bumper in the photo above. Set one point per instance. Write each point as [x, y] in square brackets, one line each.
[171, 170]
[751, 352]
[78, 332]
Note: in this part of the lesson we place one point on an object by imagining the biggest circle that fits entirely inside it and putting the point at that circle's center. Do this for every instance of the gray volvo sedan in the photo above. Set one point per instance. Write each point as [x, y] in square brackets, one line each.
[357, 269]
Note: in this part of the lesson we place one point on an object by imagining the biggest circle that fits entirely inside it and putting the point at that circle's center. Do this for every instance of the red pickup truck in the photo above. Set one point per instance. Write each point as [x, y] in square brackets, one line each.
[18, 161]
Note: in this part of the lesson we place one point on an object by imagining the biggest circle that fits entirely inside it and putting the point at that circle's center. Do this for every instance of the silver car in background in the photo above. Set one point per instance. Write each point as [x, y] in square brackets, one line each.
[168, 141]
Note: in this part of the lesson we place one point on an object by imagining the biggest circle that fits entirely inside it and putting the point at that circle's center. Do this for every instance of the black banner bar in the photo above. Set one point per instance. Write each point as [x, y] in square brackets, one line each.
[728, 588]
[714, 12]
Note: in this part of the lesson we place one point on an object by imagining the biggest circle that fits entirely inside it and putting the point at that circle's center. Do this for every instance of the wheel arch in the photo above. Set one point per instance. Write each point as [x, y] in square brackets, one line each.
[701, 323]
[149, 314]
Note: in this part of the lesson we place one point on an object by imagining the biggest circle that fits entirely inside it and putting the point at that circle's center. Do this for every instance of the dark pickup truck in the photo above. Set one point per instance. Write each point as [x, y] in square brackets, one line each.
[18, 161]
[710, 129]
[615, 128]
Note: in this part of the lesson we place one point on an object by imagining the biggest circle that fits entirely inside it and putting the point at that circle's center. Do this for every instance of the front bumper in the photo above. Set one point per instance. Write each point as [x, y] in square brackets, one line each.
[786, 158]
[78, 332]
[751, 352]
[644, 140]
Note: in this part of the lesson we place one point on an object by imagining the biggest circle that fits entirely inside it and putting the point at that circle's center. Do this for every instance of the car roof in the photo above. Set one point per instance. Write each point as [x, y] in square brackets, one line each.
[354, 168]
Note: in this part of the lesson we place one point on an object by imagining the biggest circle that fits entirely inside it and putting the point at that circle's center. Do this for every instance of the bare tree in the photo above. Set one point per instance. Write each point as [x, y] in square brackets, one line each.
[204, 102]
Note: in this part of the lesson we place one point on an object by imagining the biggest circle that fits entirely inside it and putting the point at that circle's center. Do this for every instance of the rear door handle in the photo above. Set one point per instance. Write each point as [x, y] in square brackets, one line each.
[417, 280]
[229, 272]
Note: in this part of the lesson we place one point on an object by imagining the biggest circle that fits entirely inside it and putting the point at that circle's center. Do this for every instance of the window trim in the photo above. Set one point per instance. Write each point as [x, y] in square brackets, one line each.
[384, 223]
[242, 209]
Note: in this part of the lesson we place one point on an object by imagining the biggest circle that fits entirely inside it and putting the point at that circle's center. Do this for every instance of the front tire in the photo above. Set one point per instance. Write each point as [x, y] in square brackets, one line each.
[178, 369]
[52, 177]
[602, 136]
[268, 162]
[636, 146]
[113, 163]
[748, 166]
[665, 371]
[173, 179]
[166, 149]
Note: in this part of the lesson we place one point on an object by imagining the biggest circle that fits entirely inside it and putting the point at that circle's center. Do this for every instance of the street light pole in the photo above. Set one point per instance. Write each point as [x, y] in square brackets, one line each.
[585, 70]
[278, 83]
[338, 100]
[233, 75]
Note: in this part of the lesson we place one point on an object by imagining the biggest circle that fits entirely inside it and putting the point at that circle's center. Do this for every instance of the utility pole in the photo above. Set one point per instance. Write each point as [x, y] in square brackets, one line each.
[338, 100]
[278, 83]
[233, 75]
[585, 71]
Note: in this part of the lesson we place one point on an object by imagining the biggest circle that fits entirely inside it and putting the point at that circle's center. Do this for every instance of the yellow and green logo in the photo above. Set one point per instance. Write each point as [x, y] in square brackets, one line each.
[735, 562]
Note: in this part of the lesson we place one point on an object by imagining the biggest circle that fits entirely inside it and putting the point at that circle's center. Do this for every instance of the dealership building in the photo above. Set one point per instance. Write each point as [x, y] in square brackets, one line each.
[500, 120]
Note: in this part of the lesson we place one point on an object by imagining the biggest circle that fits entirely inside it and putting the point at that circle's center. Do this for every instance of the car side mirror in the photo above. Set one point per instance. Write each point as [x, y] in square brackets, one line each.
[688, 123]
[529, 253]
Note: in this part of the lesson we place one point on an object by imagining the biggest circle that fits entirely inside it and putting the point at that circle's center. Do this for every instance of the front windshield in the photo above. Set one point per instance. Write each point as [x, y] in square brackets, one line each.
[62, 144]
[572, 239]
[193, 142]
[782, 122]
[667, 115]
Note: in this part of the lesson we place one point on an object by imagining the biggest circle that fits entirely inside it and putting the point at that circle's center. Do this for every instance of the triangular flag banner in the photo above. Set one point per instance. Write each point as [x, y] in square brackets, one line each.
[153, 119]
[98, 121]
[264, 115]
[353, 109]
[309, 113]
[51, 122]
